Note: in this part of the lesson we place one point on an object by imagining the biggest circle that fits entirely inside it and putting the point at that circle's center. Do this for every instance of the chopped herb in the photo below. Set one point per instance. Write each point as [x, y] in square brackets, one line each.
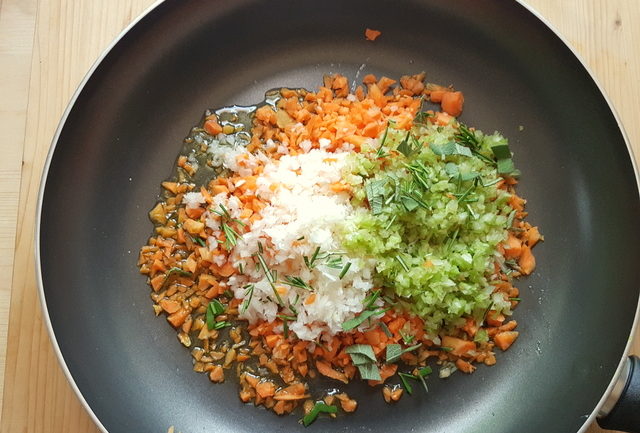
[424, 371]
[178, 271]
[260, 249]
[228, 293]
[402, 263]
[385, 329]
[484, 316]
[405, 384]
[241, 268]
[317, 410]
[269, 275]
[297, 282]
[501, 151]
[300, 238]
[443, 348]
[421, 378]
[364, 350]
[380, 153]
[393, 218]
[406, 147]
[407, 338]
[285, 328]
[344, 270]
[248, 291]
[369, 371]
[505, 166]
[231, 236]
[371, 299]
[375, 195]
[515, 299]
[357, 321]
[395, 351]
[450, 148]
[333, 261]
[198, 240]
[214, 309]
[466, 137]
[510, 219]
[311, 263]
[220, 325]
[286, 317]
[471, 212]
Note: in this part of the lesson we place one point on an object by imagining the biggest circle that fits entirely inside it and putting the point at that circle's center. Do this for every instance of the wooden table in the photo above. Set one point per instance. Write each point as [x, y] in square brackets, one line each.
[46, 47]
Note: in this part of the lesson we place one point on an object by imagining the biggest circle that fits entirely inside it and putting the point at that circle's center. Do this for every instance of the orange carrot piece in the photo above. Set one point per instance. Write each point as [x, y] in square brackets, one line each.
[212, 127]
[325, 369]
[265, 389]
[505, 339]
[436, 95]
[515, 247]
[464, 366]
[372, 35]
[169, 305]
[527, 261]
[459, 346]
[452, 103]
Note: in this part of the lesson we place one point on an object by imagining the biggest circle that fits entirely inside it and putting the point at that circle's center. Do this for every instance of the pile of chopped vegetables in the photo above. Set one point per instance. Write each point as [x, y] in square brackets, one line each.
[350, 235]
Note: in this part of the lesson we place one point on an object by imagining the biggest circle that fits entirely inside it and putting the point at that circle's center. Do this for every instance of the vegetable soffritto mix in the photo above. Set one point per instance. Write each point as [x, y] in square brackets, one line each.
[345, 235]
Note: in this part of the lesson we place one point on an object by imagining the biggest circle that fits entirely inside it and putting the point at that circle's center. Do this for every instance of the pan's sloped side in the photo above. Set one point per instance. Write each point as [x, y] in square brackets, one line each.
[123, 133]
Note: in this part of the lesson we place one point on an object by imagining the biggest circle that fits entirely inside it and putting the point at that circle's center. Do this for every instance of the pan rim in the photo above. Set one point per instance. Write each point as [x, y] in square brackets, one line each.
[636, 320]
[72, 101]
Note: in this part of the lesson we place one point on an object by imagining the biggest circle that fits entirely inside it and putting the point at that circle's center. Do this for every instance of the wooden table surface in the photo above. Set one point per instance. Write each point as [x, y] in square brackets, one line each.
[46, 47]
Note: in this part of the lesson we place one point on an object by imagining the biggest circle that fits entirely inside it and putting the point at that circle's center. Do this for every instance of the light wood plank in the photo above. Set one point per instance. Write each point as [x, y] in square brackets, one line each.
[69, 37]
[17, 26]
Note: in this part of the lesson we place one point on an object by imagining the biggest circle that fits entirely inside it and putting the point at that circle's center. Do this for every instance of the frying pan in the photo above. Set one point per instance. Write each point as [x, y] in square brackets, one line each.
[123, 130]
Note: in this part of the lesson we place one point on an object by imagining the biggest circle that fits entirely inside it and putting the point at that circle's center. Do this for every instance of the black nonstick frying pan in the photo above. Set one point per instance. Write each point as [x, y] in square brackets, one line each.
[123, 131]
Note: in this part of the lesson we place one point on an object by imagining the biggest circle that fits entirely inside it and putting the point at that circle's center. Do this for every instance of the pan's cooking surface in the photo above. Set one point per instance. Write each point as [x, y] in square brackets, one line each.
[120, 140]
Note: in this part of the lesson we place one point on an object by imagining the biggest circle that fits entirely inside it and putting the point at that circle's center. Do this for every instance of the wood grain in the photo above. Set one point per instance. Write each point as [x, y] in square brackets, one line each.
[46, 47]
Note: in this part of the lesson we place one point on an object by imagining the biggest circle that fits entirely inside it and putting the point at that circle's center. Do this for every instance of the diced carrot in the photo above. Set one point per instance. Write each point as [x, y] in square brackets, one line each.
[219, 189]
[372, 35]
[212, 127]
[170, 306]
[436, 95]
[216, 374]
[495, 319]
[505, 339]
[452, 103]
[325, 369]
[514, 247]
[395, 325]
[533, 236]
[170, 186]
[369, 79]
[527, 261]
[157, 282]
[310, 300]
[251, 379]
[464, 366]
[470, 327]
[442, 119]
[378, 97]
[459, 346]
[226, 270]
[265, 389]
[178, 318]
[272, 340]
[516, 202]
[192, 226]
[291, 392]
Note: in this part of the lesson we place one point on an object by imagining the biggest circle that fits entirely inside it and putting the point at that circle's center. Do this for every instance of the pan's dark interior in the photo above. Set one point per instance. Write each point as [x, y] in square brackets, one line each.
[124, 132]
